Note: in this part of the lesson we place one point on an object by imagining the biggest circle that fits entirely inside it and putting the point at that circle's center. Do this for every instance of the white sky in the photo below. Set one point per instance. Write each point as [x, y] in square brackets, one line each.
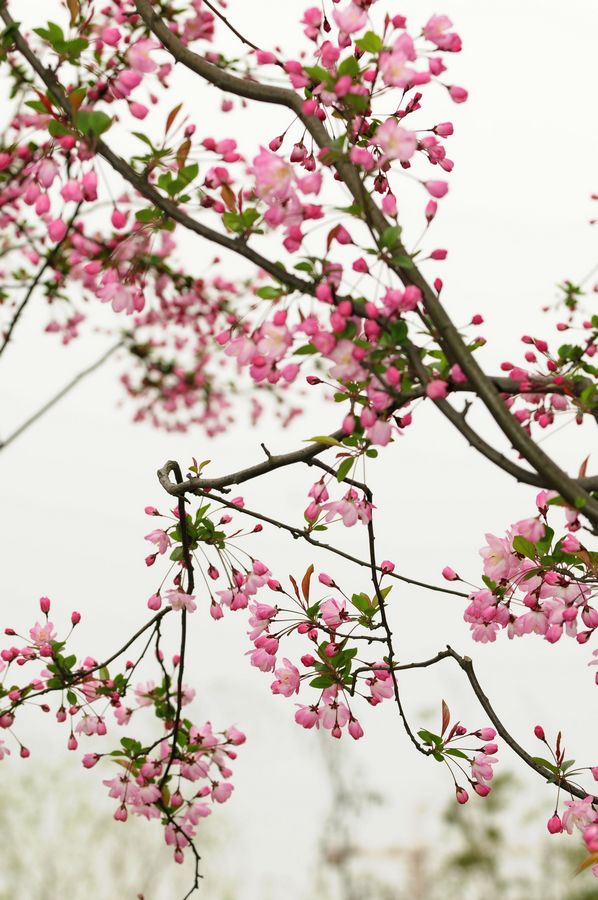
[74, 487]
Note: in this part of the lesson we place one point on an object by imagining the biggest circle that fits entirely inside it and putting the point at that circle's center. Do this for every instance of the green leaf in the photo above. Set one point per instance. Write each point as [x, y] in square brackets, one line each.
[324, 439]
[429, 738]
[322, 681]
[390, 236]
[344, 468]
[92, 122]
[524, 547]
[148, 215]
[269, 293]
[57, 129]
[454, 752]
[71, 697]
[318, 73]
[546, 763]
[370, 42]
[349, 66]
[361, 602]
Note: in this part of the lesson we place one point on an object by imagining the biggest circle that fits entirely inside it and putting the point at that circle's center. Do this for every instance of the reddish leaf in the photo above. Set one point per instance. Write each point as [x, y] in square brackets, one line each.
[584, 468]
[45, 100]
[74, 8]
[305, 583]
[331, 235]
[76, 98]
[446, 717]
[171, 117]
[182, 153]
[295, 588]
[229, 198]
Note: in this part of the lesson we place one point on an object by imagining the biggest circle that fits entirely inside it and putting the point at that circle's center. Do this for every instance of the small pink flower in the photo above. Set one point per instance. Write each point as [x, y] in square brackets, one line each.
[287, 679]
[138, 55]
[181, 600]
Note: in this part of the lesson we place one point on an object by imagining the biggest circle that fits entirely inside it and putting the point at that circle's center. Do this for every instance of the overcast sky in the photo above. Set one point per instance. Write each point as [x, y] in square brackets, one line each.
[74, 486]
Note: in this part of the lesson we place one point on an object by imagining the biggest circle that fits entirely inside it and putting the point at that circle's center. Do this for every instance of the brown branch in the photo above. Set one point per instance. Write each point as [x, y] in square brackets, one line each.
[466, 665]
[188, 563]
[304, 535]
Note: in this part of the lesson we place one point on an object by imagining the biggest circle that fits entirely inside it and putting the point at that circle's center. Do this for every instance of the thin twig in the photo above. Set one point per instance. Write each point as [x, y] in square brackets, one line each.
[61, 393]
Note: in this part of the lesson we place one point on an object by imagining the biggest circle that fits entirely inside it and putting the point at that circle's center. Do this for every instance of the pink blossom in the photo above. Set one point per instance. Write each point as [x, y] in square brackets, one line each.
[42, 634]
[273, 176]
[350, 18]
[396, 142]
[437, 31]
[138, 55]
[350, 509]
[287, 679]
[334, 612]
[180, 600]
[346, 366]
[160, 539]
[579, 814]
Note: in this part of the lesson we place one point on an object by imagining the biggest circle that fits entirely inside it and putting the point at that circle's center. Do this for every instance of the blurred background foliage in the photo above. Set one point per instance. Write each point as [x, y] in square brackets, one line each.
[59, 841]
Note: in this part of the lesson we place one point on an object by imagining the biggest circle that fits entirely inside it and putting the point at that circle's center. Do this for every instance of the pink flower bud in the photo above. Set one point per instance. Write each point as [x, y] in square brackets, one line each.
[387, 566]
[450, 574]
[462, 795]
[72, 742]
[486, 734]
[554, 825]
[308, 660]
[539, 732]
[44, 605]
[437, 189]
[90, 759]
[482, 790]
[458, 94]
[75, 617]
[25, 752]
[57, 230]
[355, 729]
[154, 602]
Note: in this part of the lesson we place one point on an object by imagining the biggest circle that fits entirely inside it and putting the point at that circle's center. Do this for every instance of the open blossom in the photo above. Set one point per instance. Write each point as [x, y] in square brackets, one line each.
[334, 612]
[346, 366]
[579, 814]
[160, 539]
[351, 509]
[138, 55]
[181, 600]
[437, 30]
[395, 69]
[350, 18]
[42, 634]
[499, 561]
[396, 142]
[287, 679]
[481, 767]
[273, 177]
